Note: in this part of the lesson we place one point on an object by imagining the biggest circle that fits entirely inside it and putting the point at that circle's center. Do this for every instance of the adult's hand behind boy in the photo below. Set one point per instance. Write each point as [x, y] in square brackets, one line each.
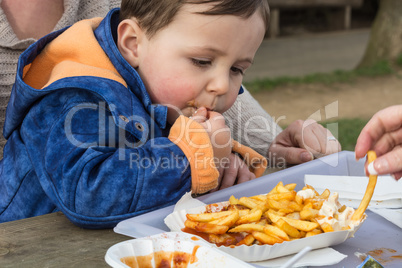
[301, 142]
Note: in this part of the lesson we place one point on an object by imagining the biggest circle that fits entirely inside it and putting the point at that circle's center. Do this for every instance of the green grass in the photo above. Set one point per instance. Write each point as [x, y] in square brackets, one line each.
[399, 60]
[339, 76]
[348, 131]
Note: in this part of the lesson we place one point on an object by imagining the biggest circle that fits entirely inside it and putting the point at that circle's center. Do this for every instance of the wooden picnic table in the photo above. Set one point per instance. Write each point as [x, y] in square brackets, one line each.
[52, 240]
[343, 17]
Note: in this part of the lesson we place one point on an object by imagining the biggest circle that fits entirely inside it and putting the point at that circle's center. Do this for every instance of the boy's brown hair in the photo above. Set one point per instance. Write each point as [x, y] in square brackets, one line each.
[153, 15]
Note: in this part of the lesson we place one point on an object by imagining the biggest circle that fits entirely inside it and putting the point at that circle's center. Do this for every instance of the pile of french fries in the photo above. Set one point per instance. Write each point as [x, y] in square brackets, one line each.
[281, 215]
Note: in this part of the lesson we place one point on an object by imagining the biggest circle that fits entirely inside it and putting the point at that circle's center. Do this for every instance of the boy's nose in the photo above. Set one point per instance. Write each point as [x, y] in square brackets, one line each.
[219, 85]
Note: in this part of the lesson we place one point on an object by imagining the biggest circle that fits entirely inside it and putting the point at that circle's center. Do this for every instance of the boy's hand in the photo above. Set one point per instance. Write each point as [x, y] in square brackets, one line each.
[232, 169]
[234, 172]
[303, 141]
[218, 131]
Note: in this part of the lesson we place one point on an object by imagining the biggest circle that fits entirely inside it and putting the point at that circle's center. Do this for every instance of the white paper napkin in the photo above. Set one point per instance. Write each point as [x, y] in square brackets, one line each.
[318, 257]
[387, 193]
[393, 215]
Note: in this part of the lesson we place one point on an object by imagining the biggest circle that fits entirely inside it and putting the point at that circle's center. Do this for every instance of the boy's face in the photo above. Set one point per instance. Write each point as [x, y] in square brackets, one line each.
[198, 60]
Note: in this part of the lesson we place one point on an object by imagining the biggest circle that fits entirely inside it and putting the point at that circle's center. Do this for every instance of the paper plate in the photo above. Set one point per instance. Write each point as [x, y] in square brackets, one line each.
[175, 222]
[171, 250]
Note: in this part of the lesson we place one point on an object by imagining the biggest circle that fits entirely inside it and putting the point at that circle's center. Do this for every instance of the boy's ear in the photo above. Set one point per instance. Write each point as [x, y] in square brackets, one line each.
[129, 36]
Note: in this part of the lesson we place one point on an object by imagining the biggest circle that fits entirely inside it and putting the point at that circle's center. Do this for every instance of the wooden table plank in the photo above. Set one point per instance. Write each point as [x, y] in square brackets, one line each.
[53, 241]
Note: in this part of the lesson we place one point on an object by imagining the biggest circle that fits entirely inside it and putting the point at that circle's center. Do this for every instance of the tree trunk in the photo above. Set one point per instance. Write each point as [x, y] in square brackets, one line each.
[386, 34]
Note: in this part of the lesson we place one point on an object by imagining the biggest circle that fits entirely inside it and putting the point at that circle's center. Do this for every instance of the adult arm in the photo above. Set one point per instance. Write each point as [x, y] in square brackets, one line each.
[300, 142]
[250, 124]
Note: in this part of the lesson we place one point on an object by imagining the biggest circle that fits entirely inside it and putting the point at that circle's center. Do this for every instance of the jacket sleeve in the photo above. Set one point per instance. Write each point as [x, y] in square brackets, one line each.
[97, 185]
[194, 141]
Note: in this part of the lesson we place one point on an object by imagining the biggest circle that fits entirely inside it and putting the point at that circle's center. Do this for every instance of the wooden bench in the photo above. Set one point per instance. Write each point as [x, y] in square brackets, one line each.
[277, 5]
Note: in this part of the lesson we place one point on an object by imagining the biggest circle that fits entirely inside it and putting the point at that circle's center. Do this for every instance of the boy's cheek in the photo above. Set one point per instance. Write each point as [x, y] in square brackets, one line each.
[227, 104]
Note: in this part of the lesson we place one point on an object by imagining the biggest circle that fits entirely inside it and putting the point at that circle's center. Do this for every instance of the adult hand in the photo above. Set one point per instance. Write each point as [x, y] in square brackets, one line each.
[233, 171]
[302, 141]
[383, 134]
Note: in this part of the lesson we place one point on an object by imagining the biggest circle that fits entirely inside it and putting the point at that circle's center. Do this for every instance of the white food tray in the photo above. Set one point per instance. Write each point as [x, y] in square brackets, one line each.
[375, 233]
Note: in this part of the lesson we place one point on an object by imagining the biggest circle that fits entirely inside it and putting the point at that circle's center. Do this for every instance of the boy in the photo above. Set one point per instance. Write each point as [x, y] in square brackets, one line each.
[98, 122]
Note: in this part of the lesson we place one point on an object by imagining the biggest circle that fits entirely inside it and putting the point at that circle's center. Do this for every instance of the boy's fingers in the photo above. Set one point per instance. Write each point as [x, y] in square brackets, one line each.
[244, 175]
[201, 115]
[243, 172]
[229, 173]
[236, 172]
[220, 178]
[215, 116]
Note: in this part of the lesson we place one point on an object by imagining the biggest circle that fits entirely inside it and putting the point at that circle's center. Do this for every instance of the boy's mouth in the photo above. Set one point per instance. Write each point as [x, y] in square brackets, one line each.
[196, 106]
[193, 106]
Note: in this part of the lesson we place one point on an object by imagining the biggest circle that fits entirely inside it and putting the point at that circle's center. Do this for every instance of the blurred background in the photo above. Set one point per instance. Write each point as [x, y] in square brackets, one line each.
[336, 61]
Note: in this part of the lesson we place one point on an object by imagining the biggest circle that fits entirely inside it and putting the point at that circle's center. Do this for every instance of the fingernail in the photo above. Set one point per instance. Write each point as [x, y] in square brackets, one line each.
[306, 156]
[371, 169]
[381, 165]
[393, 176]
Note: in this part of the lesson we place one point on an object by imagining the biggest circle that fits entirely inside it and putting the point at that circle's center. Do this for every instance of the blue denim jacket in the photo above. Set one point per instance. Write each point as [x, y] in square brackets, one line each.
[92, 147]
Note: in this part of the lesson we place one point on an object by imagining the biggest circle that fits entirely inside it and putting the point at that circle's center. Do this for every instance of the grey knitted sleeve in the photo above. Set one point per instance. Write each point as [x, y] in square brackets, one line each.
[250, 124]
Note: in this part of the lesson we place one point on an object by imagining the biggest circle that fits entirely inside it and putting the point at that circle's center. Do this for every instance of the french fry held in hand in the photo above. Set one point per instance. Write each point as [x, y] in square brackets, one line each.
[281, 215]
[371, 156]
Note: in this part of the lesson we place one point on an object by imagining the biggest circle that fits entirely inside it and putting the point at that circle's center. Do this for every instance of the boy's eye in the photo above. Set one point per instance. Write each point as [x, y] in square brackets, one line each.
[201, 62]
[237, 70]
